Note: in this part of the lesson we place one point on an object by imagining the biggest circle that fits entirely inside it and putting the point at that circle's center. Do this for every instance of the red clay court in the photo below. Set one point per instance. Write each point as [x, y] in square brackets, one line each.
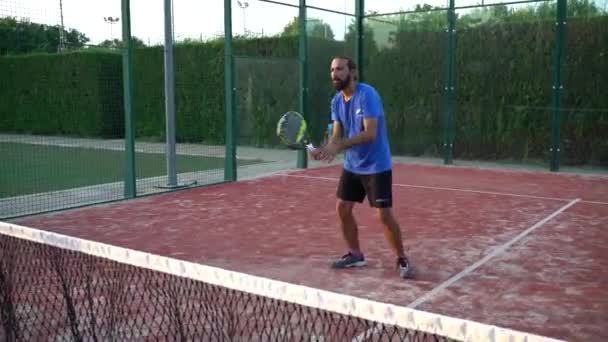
[516, 249]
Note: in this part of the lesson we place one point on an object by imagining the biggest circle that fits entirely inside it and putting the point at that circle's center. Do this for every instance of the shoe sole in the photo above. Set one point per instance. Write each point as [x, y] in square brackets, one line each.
[407, 274]
[355, 264]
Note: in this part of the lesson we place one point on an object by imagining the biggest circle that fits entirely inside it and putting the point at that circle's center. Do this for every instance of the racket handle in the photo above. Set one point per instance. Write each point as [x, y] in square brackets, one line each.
[310, 148]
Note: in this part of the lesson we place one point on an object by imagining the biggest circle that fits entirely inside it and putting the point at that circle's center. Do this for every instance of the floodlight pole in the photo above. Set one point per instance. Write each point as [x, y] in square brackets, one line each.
[243, 4]
[61, 29]
[111, 21]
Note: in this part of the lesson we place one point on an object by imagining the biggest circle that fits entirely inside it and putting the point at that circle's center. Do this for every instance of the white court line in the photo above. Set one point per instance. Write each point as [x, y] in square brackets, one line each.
[448, 189]
[595, 202]
[499, 250]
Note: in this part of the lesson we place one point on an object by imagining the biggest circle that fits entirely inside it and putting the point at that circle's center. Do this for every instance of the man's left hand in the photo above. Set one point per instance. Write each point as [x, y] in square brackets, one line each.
[328, 152]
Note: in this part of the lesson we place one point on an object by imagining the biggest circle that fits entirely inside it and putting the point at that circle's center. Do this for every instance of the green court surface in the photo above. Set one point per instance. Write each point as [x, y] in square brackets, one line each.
[30, 168]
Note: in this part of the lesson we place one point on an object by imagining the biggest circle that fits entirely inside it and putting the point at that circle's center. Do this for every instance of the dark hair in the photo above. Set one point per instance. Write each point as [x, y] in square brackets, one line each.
[349, 62]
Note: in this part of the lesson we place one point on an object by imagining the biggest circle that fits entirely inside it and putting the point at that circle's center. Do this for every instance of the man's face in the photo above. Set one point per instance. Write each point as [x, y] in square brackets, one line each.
[340, 74]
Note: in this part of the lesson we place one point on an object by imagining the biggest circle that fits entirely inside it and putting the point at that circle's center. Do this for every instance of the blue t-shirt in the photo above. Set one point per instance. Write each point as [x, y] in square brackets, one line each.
[371, 157]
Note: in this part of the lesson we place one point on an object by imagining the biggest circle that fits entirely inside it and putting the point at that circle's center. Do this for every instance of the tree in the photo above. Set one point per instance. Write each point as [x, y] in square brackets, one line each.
[23, 36]
[370, 44]
[117, 43]
[428, 18]
[583, 8]
[314, 27]
[576, 8]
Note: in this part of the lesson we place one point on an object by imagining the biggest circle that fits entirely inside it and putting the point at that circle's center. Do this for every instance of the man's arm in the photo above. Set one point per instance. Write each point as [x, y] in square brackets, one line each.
[336, 144]
[336, 133]
[370, 131]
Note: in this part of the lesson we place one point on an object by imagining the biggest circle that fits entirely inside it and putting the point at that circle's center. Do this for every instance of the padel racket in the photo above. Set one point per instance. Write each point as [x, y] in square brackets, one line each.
[293, 131]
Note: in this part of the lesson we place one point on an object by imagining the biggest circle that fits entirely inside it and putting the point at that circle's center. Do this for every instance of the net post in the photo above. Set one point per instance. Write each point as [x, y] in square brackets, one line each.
[230, 165]
[360, 15]
[303, 62]
[130, 190]
[448, 124]
[558, 88]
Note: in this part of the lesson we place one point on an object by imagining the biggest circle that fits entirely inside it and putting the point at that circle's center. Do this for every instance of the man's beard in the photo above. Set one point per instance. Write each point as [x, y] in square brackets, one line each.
[341, 84]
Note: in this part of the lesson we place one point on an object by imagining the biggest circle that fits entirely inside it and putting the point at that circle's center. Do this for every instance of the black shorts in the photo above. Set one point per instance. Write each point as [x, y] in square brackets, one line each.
[377, 187]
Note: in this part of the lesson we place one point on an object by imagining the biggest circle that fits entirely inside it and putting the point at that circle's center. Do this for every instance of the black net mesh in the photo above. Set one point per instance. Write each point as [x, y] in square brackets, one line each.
[48, 293]
[58, 288]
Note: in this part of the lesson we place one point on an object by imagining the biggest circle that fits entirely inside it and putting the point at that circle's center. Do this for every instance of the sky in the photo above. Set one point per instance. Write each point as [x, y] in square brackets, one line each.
[196, 19]
[192, 18]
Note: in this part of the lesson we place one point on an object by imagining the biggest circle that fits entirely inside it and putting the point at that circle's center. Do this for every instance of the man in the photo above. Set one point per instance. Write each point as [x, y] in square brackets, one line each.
[360, 129]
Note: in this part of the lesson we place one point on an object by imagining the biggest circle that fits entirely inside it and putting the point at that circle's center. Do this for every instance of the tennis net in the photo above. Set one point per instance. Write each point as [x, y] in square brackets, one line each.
[56, 287]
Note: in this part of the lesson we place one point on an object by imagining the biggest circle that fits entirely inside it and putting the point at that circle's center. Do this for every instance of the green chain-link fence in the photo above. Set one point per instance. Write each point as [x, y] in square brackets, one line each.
[119, 99]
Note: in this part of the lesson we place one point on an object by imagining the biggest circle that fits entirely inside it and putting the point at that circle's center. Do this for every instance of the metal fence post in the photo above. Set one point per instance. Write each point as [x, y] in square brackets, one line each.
[558, 87]
[303, 62]
[130, 185]
[448, 124]
[360, 13]
[230, 165]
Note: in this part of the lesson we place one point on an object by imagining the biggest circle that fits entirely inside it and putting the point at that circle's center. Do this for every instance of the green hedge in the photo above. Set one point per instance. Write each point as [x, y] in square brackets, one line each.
[410, 78]
[504, 91]
[76, 94]
[504, 87]
[504, 79]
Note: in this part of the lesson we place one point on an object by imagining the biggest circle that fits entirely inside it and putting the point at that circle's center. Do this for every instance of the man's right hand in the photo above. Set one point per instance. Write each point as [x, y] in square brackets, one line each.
[315, 154]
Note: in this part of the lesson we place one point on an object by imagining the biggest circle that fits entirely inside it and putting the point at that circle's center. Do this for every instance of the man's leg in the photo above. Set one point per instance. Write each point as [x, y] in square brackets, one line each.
[350, 190]
[379, 192]
[348, 225]
[379, 188]
[392, 231]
